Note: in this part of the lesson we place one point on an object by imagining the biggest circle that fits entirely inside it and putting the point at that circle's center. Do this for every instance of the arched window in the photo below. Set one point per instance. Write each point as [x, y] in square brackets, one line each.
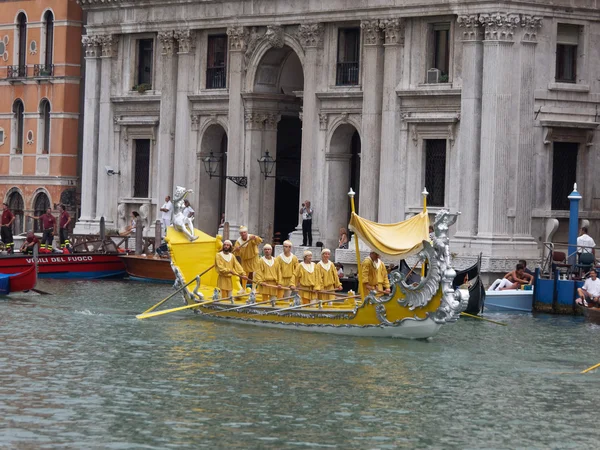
[49, 43]
[16, 205]
[22, 37]
[45, 126]
[40, 205]
[19, 112]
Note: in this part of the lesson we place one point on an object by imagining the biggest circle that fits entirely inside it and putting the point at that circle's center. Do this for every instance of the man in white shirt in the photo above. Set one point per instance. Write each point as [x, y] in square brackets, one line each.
[585, 244]
[188, 211]
[590, 291]
[166, 209]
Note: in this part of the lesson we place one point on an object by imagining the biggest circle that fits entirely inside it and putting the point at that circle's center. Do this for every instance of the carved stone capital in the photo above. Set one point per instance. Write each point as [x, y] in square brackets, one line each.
[109, 45]
[371, 32]
[499, 26]
[393, 31]
[271, 120]
[167, 42]
[274, 36]
[311, 35]
[530, 25]
[254, 120]
[185, 39]
[237, 38]
[92, 46]
[470, 27]
[323, 119]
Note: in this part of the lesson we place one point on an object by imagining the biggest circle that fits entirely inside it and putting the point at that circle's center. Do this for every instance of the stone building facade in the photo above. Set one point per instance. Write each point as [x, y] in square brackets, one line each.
[492, 105]
[40, 80]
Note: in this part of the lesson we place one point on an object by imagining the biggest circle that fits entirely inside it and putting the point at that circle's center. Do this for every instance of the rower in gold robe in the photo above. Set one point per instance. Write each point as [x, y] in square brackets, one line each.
[267, 274]
[227, 265]
[286, 267]
[328, 277]
[306, 279]
[246, 247]
[374, 274]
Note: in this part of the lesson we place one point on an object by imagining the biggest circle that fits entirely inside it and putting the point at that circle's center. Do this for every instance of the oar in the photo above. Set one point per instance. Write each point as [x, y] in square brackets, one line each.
[172, 310]
[172, 295]
[39, 291]
[298, 306]
[482, 318]
[591, 368]
[245, 306]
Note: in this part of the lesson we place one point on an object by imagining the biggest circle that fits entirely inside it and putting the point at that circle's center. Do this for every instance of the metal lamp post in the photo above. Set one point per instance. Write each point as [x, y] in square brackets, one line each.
[211, 166]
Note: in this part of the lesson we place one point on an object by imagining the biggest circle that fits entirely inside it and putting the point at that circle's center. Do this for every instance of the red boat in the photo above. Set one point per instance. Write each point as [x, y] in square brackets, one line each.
[89, 261]
[19, 282]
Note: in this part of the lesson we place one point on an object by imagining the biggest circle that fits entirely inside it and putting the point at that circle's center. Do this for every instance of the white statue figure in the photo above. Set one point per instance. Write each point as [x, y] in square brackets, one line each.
[180, 222]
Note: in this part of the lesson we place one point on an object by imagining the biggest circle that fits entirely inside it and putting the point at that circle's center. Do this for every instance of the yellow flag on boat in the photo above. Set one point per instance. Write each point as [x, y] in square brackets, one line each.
[399, 240]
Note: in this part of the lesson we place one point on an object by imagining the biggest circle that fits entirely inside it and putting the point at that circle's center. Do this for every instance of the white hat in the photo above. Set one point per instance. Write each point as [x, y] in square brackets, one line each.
[287, 243]
[307, 252]
[227, 242]
[267, 246]
[325, 250]
[243, 228]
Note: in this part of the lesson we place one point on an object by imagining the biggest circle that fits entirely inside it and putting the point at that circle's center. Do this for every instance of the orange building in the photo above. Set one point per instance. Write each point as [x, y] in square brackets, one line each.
[40, 76]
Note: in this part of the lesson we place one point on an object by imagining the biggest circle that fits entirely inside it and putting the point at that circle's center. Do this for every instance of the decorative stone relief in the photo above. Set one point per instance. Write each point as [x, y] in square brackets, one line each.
[30, 137]
[271, 121]
[254, 120]
[237, 38]
[167, 42]
[311, 35]
[109, 45]
[92, 46]
[371, 32]
[195, 122]
[471, 27]
[33, 48]
[530, 25]
[144, 213]
[499, 26]
[185, 39]
[121, 213]
[344, 116]
[323, 120]
[393, 31]
[274, 36]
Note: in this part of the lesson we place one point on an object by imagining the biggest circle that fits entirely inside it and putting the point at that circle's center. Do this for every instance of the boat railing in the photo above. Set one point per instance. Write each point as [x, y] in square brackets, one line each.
[549, 264]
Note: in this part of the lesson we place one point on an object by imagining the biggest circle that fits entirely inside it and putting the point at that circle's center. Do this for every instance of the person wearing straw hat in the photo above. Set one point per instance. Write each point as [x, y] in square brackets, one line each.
[306, 279]
[227, 265]
[328, 277]
[267, 273]
[286, 268]
[246, 247]
[374, 274]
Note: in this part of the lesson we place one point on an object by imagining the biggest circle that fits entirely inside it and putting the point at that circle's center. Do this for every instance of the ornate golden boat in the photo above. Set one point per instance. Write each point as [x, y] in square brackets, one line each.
[415, 311]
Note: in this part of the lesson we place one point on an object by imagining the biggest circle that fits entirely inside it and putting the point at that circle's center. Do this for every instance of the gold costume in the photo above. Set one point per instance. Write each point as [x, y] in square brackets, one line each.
[328, 279]
[225, 263]
[374, 274]
[267, 272]
[248, 253]
[286, 266]
[306, 278]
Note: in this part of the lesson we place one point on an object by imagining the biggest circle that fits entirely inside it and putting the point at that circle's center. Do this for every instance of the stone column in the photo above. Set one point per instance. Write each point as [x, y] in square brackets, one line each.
[182, 171]
[496, 117]
[89, 170]
[470, 32]
[525, 183]
[391, 195]
[372, 82]
[255, 125]
[106, 184]
[164, 184]
[267, 209]
[236, 198]
[312, 158]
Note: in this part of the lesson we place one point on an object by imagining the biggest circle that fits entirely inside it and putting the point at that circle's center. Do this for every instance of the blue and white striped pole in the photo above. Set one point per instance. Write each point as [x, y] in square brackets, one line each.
[574, 198]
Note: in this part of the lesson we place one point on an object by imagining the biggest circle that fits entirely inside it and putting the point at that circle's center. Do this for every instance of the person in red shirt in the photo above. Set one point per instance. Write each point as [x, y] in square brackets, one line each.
[6, 230]
[48, 228]
[29, 243]
[64, 221]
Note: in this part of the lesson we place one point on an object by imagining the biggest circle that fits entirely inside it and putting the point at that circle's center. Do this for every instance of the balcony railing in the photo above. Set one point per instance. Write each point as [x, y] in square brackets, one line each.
[347, 74]
[43, 70]
[16, 71]
[216, 78]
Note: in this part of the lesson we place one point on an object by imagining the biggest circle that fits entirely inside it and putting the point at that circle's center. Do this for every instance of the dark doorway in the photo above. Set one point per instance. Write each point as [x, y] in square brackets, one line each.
[564, 173]
[16, 206]
[141, 168]
[355, 168]
[287, 184]
[41, 204]
[435, 171]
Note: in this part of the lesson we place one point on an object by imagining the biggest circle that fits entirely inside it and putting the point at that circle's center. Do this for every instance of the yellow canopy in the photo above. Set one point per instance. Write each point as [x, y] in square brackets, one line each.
[399, 240]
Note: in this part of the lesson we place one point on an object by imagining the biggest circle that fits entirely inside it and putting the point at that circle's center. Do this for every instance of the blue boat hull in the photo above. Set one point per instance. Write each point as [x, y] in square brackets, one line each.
[509, 300]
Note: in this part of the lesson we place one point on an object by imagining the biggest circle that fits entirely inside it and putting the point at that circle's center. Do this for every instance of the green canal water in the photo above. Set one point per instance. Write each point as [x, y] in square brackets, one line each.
[79, 371]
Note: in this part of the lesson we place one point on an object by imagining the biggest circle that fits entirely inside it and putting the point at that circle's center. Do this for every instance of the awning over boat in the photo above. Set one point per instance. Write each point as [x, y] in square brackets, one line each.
[399, 240]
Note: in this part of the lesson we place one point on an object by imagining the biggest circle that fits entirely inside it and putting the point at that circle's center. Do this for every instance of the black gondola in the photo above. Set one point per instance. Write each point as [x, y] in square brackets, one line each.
[476, 289]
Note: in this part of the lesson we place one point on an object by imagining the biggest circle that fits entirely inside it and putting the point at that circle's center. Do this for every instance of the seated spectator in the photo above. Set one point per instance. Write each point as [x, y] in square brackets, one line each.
[340, 269]
[512, 280]
[525, 269]
[590, 292]
[30, 243]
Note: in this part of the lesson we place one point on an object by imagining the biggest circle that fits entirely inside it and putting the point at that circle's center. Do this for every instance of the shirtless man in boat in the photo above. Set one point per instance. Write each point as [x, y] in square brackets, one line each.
[512, 280]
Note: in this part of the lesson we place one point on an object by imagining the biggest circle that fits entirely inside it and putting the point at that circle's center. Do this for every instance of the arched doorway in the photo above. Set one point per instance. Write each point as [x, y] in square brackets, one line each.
[343, 173]
[211, 191]
[40, 205]
[278, 82]
[16, 206]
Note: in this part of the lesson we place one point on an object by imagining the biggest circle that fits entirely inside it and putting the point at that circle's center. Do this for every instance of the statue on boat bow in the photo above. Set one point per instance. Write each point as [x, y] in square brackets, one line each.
[180, 222]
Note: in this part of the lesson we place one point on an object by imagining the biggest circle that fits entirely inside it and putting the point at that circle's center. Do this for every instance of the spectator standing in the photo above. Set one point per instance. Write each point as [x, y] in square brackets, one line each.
[188, 211]
[48, 228]
[63, 227]
[6, 230]
[307, 214]
[167, 210]
[343, 241]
